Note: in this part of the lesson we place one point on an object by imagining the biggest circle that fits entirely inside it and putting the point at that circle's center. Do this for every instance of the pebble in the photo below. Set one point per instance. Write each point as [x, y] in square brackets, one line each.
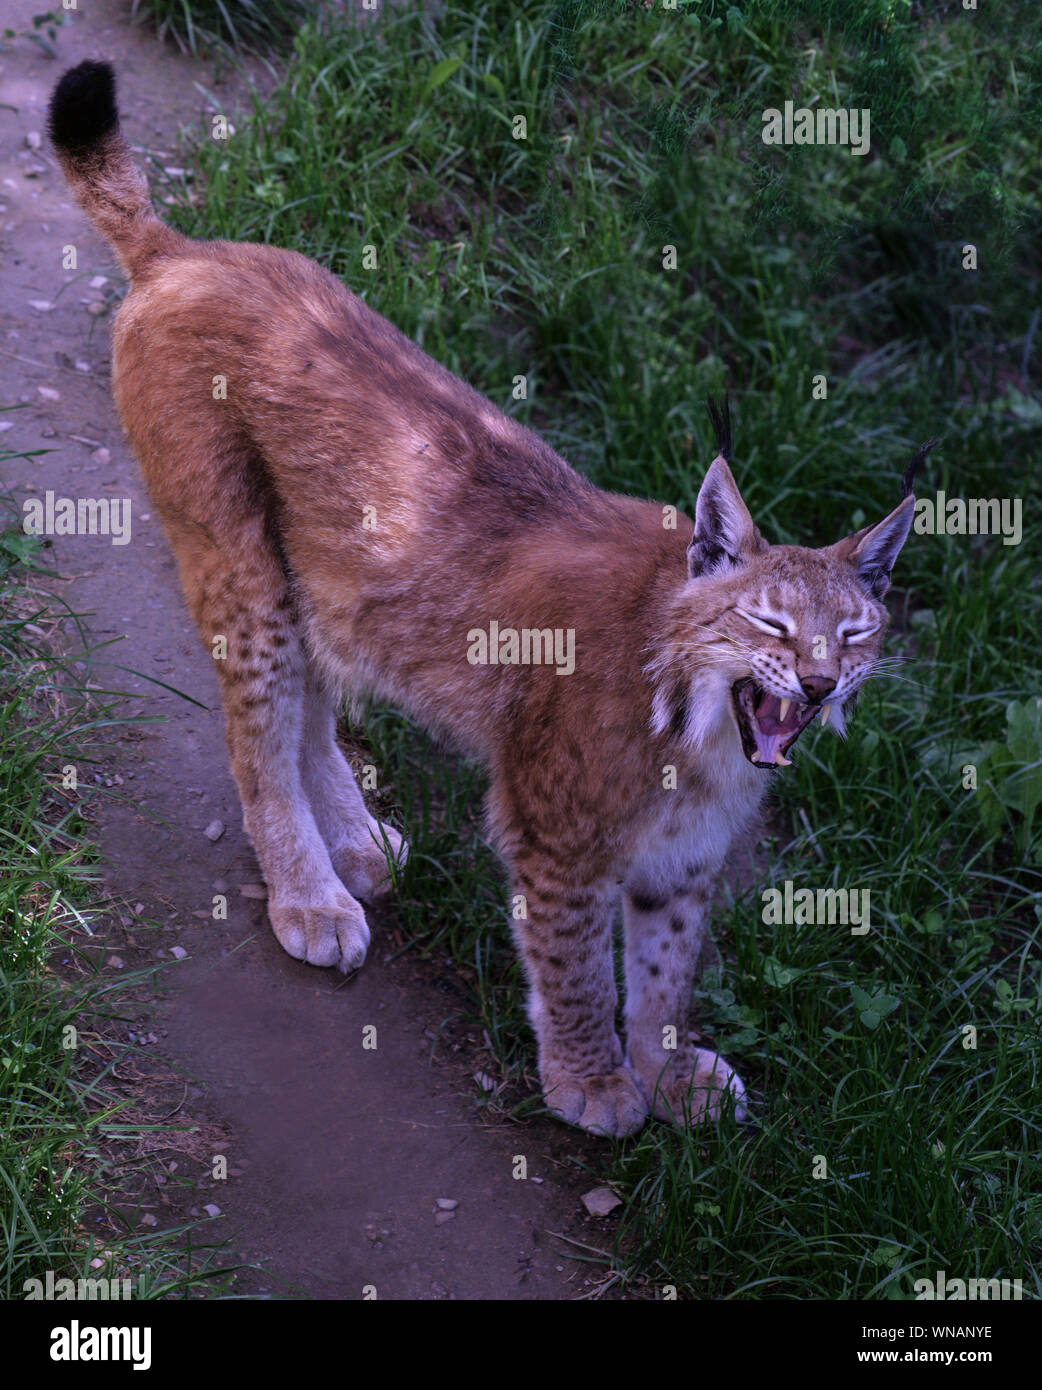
[43, 306]
[178, 952]
[253, 890]
[149, 1220]
[212, 1209]
[446, 1203]
[49, 393]
[444, 1216]
[33, 139]
[214, 830]
[101, 456]
[599, 1201]
[115, 962]
[99, 282]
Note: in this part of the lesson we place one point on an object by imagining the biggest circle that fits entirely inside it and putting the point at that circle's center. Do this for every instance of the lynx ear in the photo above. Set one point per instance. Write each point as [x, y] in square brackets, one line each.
[724, 530]
[873, 550]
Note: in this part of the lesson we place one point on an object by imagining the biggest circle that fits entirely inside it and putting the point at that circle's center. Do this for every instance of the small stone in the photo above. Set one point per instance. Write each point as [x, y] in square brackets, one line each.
[97, 1264]
[48, 431]
[444, 1216]
[33, 139]
[98, 282]
[138, 909]
[149, 1220]
[214, 830]
[253, 890]
[115, 962]
[42, 306]
[83, 366]
[484, 1081]
[446, 1203]
[49, 393]
[95, 310]
[178, 952]
[212, 1209]
[102, 456]
[600, 1201]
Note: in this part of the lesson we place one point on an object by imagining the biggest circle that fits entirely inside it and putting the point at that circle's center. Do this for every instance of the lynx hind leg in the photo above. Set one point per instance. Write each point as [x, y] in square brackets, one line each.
[240, 598]
[683, 1083]
[565, 943]
[358, 843]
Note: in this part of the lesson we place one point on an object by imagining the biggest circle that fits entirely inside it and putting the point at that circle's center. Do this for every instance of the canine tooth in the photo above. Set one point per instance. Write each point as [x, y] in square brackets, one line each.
[826, 710]
[781, 759]
[785, 705]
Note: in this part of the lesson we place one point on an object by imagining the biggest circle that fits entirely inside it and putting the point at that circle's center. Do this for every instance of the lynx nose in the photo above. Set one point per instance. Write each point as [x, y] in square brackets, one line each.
[817, 687]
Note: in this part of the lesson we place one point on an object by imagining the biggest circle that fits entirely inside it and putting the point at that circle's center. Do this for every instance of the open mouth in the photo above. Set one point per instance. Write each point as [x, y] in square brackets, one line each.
[769, 725]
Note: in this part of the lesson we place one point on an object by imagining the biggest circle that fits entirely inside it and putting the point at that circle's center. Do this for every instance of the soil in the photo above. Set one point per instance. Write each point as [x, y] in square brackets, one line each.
[337, 1154]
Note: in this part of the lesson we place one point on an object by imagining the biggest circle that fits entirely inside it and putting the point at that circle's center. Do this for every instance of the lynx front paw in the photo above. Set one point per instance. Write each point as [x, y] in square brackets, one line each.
[362, 868]
[334, 933]
[701, 1087]
[608, 1105]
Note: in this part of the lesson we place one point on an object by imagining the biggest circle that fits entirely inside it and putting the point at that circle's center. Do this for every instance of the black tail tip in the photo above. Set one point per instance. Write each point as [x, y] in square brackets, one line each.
[83, 106]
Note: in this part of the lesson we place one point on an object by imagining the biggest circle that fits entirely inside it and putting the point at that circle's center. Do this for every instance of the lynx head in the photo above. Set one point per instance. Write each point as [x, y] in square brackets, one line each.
[772, 636]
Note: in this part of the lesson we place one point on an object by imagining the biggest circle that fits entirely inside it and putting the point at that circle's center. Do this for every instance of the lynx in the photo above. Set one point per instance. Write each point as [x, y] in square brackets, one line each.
[348, 517]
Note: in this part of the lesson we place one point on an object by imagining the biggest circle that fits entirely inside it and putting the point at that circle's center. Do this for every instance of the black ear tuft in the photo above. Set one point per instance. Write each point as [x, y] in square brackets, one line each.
[908, 480]
[721, 425]
[83, 106]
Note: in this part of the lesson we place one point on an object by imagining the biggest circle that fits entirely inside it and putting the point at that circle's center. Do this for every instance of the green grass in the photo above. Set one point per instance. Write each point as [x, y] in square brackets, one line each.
[66, 1137]
[544, 257]
[215, 25]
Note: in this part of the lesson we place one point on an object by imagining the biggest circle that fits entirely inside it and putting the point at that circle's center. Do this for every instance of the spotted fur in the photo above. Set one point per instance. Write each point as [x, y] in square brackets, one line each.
[345, 512]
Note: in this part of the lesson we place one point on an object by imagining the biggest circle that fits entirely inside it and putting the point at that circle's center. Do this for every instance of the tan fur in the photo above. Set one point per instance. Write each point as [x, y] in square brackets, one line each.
[330, 411]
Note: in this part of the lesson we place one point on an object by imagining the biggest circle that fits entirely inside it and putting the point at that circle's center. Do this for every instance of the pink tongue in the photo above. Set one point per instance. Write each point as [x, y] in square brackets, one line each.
[768, 744]
[769, 731]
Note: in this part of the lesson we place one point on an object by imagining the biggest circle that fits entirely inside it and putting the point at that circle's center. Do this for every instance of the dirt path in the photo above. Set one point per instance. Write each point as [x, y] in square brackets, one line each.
[337, 1154]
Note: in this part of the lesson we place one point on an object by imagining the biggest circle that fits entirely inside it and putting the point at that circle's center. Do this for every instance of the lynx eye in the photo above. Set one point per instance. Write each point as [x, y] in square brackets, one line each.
[774, 626]
[853, 633]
